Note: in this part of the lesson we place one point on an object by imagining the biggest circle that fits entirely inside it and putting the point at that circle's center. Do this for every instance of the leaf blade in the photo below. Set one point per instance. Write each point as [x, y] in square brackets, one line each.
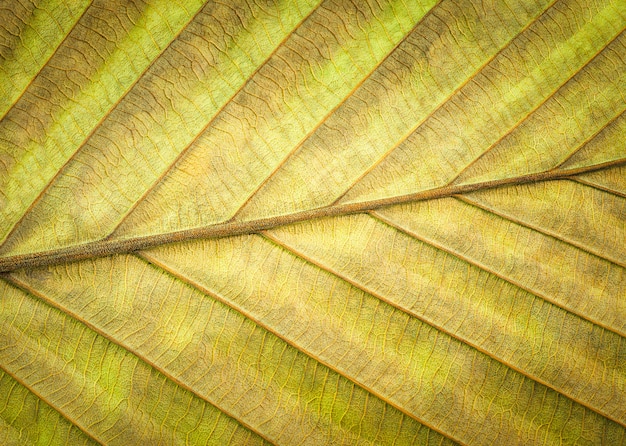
[44, 25]
[278, 400]
[61, 107]
[92, 389]
[472, 284]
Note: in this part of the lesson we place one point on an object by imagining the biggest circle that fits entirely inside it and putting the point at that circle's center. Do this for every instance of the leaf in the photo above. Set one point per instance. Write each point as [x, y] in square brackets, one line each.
[313, 222]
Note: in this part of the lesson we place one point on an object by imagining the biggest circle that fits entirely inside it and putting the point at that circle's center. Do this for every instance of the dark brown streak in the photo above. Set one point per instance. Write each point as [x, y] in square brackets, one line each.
[103, 248]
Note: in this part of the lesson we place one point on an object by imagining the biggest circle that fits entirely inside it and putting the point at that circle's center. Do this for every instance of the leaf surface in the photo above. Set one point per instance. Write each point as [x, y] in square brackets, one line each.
[302, 222]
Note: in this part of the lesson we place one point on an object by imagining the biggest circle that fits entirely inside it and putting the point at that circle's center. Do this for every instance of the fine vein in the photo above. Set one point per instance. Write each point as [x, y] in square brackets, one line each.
[193, 142]
[552, 234]
[45, 63]
[49, 403]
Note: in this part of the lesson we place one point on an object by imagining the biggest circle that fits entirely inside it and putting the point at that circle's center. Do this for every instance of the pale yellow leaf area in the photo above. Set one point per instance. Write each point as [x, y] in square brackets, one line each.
[313, 222]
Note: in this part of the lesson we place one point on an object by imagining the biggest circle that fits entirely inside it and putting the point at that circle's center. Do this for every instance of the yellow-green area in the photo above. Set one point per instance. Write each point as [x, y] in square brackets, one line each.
[610, 180]
[416, 79]
[216, 352]
[163, 113]
[583, 106]
[30, 33]
[315, 70]
[514, 251]
[568, 211]
[386, 348]
[103, 388]
[26, 420]
[519, 80]
[103, 56]
[608, 145]
[486, 309]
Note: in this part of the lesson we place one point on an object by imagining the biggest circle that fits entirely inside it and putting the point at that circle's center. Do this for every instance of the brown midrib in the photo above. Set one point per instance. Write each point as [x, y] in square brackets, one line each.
[107, 247]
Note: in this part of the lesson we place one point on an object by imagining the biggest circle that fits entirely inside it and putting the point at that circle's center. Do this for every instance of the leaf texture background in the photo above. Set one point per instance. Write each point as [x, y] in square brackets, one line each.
[313, 222]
